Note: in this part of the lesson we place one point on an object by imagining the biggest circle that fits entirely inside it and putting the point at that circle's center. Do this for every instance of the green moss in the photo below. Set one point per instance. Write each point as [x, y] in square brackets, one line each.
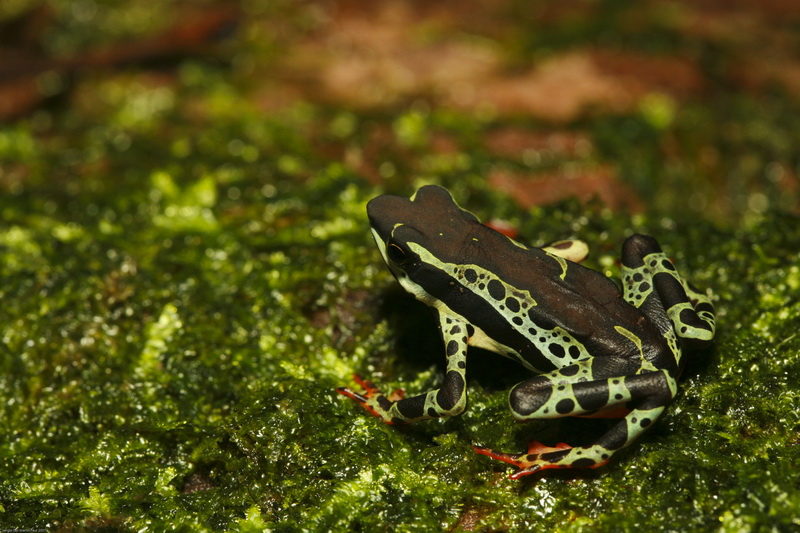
[182, 295]
[184, 374]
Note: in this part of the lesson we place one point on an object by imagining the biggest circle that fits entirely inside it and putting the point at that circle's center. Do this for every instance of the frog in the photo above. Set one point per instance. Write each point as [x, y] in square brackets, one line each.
[594, 349]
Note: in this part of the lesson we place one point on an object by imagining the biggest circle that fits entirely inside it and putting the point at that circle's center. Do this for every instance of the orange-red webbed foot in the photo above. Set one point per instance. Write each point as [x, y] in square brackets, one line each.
[372, 399]
[538, 457]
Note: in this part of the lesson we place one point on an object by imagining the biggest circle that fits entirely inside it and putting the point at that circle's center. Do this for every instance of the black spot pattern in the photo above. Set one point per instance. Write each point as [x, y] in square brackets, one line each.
[496, 290]
[557, 350]
[569, 371]
[470, 275]
[452, 348]
[554, 457]
[529, 396]
[412, 407]
[451, 392]
[512, 304]
[616, 438]
[565, 406]
[592, 396]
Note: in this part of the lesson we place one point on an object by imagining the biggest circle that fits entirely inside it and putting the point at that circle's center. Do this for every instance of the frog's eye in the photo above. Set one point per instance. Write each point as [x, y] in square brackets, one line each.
[396, 254]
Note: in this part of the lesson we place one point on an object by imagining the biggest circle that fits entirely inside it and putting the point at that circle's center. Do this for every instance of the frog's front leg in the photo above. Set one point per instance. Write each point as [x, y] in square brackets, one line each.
[586, 389]
[448, 400]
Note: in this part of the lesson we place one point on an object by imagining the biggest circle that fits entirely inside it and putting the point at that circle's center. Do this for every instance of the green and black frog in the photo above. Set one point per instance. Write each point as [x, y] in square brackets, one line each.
[596, 351]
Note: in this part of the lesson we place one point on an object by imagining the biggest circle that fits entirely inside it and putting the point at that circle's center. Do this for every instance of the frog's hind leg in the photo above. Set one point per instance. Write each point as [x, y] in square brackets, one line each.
[591, 387]
[652, 284]
[540, 457]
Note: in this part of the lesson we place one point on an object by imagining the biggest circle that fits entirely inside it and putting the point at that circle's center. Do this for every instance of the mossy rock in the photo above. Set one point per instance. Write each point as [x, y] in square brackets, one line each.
[182, 294]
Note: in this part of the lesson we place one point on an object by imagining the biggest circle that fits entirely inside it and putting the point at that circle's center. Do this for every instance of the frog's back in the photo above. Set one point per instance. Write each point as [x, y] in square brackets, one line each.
[522, 302]
[560, 312]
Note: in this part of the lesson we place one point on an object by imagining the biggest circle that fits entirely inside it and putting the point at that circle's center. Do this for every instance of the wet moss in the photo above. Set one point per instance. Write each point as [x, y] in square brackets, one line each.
[183, 291]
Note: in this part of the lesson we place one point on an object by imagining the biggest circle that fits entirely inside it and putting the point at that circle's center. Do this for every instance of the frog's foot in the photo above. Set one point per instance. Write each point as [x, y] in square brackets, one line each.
[538, 457]
[373, 400]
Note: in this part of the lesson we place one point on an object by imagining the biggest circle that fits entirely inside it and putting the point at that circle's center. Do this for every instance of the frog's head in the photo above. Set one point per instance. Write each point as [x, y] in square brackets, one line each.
[416, 235]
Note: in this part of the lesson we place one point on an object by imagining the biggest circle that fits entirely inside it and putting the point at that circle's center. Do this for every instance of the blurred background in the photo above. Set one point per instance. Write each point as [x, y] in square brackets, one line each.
[673, 107]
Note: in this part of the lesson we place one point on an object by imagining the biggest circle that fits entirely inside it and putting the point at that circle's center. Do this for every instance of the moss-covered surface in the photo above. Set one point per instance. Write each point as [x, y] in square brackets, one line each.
[186, 275]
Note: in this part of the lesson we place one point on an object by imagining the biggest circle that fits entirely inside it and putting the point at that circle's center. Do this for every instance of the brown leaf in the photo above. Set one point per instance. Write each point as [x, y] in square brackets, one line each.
[545, 188]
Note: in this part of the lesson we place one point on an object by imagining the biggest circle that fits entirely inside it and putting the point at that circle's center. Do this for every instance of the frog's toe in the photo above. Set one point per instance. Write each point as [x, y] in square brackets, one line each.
[369, 402]
[363, 398]
[370, 391]
[372, 399]
[520, 460]
[538, 457]
[516, 459]
[353, 395]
